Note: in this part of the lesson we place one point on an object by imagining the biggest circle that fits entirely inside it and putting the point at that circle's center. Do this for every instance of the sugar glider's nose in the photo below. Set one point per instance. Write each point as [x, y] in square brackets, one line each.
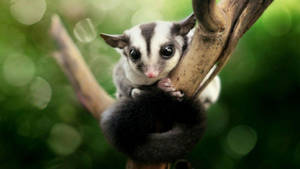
[151, 72]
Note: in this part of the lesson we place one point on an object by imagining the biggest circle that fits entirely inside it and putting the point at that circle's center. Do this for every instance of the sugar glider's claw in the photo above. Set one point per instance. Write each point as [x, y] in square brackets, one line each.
[166, 85]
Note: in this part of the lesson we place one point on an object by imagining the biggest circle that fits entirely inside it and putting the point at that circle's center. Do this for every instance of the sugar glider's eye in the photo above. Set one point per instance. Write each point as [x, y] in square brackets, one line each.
[134, 54]
[166, 52]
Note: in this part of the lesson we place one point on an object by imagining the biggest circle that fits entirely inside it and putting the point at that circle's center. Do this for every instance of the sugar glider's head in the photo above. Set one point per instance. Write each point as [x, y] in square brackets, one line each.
[153, 49]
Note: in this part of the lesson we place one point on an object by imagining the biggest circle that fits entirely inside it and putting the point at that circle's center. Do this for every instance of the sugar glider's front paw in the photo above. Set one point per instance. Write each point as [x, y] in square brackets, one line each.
[166, 85]
[135, 92]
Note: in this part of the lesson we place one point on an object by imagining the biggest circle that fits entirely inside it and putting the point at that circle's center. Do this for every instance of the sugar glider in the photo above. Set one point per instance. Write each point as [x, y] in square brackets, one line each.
[149, 52]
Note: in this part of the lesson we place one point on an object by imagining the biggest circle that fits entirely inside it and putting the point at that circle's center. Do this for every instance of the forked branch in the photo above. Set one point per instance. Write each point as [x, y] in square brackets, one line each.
[214, 48]
[220, 28]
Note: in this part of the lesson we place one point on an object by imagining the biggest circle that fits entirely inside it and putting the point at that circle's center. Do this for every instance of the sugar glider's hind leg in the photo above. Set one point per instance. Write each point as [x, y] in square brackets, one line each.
[211, 93]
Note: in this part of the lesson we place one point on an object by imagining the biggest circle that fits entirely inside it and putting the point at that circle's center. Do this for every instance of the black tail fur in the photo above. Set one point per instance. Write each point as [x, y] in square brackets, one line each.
[154, 127]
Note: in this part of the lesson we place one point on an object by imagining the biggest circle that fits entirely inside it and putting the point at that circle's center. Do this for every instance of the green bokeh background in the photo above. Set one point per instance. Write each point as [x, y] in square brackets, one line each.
[255, 123]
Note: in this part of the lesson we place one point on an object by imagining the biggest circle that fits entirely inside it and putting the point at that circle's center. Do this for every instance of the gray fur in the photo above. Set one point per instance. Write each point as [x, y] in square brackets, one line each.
[123, 85]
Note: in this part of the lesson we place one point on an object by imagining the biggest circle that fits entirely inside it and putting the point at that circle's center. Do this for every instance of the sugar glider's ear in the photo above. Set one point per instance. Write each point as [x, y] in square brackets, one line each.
[183, 27]
[116, 41]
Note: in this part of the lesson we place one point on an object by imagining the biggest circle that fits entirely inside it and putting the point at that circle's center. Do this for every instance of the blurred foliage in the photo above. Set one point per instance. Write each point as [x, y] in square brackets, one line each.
[43, 126]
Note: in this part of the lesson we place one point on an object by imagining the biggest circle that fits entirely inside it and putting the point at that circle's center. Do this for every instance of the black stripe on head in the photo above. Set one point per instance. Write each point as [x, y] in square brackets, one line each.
[147, 33]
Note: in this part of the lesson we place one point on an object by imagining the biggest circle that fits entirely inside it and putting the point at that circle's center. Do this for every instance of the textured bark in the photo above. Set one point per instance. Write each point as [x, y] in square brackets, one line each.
[214, 46]
[220, 28]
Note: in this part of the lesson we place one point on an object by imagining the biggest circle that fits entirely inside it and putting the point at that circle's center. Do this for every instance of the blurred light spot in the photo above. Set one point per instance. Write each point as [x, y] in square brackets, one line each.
[40, 93]
[64, 139]
[241, 140]
[18, 70]
[28, 12]
[109, 5]
[84, 30]
[145, 15]
[277, 20]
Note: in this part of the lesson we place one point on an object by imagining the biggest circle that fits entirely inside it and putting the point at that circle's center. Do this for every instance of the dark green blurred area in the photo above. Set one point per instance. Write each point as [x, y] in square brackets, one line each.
[255, 123]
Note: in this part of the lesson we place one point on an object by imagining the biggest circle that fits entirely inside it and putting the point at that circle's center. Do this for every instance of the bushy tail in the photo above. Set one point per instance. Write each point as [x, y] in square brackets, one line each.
[131, 124]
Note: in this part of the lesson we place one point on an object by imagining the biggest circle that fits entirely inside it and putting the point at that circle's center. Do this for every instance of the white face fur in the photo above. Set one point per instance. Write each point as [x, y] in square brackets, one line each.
[152, 50]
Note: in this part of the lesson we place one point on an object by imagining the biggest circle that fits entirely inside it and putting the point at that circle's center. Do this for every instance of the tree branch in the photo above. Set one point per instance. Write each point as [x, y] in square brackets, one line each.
[220, 28]
[88, 91]
[214, 48]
